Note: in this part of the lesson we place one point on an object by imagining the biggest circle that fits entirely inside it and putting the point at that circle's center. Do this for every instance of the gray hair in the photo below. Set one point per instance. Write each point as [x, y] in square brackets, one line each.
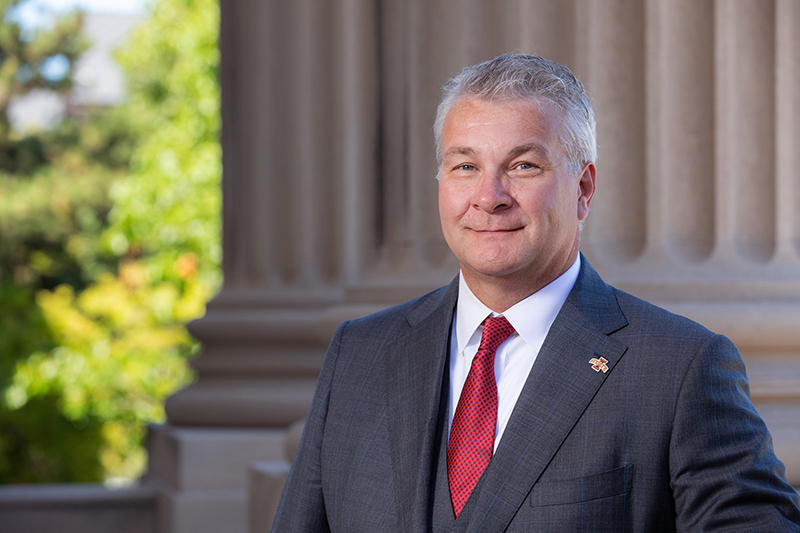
[520, 76]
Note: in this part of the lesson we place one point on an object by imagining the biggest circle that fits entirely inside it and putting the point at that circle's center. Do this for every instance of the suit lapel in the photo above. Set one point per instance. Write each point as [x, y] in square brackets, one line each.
[414, 373]
[558, 390]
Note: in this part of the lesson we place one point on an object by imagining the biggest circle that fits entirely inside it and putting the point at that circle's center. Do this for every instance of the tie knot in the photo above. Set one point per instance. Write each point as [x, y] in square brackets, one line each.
[495, 330]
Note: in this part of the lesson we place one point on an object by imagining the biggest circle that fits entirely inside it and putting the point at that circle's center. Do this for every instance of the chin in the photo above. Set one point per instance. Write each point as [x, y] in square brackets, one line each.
[495, 270]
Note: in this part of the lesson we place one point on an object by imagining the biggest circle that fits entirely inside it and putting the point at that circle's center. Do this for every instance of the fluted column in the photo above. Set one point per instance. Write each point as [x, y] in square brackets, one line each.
[300, 144]
[714, 128]
[301, 153]
[701, 132]
[787, 108]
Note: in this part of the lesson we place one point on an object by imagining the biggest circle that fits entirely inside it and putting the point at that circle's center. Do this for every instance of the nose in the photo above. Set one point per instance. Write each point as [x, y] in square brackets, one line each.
[491, 193]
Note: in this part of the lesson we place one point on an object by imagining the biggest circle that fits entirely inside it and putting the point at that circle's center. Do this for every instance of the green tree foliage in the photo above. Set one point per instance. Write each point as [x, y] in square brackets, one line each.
[24, 60]
[168, 210]
[112, 246]
[53, 204]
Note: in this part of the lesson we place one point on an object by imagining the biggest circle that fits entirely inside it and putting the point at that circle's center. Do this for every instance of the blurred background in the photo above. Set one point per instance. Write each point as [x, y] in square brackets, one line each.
[109, 225]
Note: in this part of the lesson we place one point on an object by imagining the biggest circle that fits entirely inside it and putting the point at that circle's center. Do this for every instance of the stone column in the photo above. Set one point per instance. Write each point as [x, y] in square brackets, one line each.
[330, 198]
[300, 155]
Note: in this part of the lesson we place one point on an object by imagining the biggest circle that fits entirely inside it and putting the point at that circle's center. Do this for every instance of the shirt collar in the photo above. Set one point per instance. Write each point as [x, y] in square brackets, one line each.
[531, 317]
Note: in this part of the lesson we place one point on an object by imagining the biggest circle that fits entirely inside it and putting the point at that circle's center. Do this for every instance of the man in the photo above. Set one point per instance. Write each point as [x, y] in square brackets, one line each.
[528, 395]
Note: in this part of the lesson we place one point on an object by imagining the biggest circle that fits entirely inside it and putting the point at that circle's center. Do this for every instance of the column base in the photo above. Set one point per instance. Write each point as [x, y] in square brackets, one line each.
[266, 485]
[201, 475]
[242, 403]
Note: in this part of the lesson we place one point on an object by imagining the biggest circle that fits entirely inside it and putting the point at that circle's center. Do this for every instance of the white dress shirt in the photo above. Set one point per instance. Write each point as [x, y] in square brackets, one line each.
[531, 318]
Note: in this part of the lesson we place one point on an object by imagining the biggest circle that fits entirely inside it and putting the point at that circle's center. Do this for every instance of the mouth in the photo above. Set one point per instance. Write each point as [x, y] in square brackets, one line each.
[495, 231]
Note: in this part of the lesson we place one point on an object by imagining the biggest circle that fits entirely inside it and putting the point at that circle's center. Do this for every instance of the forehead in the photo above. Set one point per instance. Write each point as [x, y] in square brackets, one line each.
[474, 120]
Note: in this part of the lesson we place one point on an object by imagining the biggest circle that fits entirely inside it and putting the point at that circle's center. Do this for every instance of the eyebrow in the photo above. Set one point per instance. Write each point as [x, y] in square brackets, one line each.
[458, 150]
[525, 148]
[514, 152]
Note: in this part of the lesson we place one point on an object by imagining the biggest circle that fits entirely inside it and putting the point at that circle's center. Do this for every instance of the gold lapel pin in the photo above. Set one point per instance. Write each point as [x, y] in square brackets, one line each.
[599, 364]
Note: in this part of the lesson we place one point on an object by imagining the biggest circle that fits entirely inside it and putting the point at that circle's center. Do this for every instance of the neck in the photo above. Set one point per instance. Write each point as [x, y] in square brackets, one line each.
[499, 293]
[500, 298]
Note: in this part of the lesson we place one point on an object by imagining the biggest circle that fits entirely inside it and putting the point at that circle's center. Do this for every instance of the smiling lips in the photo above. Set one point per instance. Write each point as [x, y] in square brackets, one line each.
[495, 230]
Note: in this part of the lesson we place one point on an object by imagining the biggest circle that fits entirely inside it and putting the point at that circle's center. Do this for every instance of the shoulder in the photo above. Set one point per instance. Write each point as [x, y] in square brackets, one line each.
[435, 307]
[398, 319]
[618, 313]
[656, 340]
[660, 341]
[647, 317]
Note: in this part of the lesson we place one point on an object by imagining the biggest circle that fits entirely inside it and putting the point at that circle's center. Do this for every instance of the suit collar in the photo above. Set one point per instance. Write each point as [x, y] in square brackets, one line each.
[559, 388]
[596, 300]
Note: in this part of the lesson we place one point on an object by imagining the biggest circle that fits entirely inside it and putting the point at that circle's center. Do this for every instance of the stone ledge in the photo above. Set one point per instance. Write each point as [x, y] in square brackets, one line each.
[261, 403]
[769, 324]
[202, 510]
[73, 494]
[209, 458]
[77, 508]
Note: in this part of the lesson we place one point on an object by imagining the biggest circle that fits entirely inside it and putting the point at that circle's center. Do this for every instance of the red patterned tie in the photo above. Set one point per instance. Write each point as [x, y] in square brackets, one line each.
[475, 422]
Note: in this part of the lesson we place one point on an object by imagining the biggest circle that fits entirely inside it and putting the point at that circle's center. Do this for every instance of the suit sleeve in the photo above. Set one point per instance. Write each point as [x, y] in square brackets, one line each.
[724, 473]
[302, 505]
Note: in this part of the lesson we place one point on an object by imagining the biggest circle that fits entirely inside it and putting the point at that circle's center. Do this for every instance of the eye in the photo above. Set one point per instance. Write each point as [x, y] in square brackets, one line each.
[524, 165]
[465, 166]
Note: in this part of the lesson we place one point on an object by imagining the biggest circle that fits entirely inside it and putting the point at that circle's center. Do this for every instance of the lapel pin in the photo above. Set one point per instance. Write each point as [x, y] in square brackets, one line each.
[599, 364]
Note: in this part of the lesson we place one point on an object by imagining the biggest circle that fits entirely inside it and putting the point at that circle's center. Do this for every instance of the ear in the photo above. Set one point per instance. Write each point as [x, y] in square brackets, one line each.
[586, 187]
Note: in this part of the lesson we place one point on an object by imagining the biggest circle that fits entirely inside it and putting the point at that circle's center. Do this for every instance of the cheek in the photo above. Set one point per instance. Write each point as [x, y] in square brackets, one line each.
[453, 203]
[554, 204]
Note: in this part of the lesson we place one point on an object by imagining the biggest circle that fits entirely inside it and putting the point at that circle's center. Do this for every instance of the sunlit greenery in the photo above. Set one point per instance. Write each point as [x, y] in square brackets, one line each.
[24, 60]
[109, 245]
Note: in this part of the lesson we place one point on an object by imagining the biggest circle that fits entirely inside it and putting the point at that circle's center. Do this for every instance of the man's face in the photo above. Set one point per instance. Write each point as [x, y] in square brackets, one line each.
[508, 202]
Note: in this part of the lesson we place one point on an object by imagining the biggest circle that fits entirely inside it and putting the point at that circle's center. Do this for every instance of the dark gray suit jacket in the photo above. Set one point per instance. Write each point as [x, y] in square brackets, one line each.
[666, 440]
